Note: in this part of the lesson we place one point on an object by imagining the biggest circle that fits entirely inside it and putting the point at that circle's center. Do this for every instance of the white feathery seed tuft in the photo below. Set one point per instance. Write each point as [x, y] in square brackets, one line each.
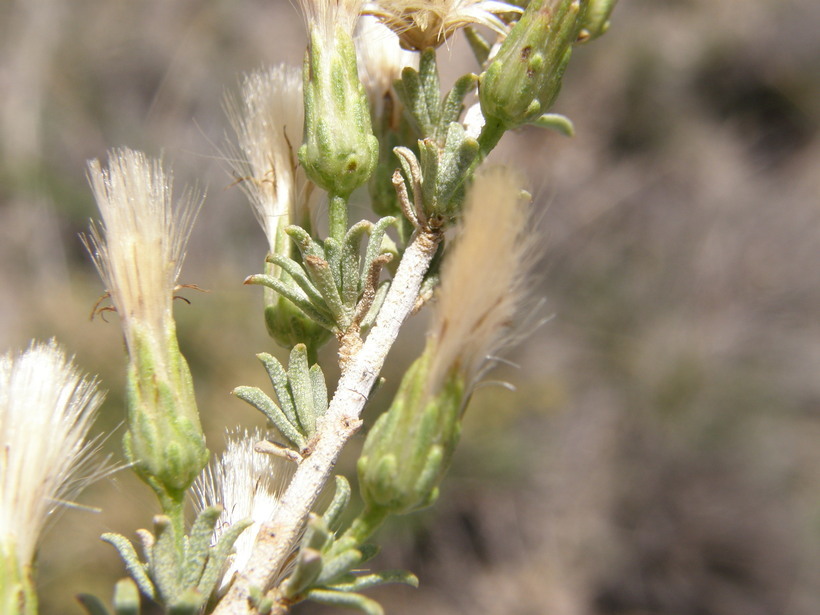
[484, 280]
[47, 407]
[428, 23]
[327, 15]
[247, 485]
[381, 60]
[140, 244]
[268, 121]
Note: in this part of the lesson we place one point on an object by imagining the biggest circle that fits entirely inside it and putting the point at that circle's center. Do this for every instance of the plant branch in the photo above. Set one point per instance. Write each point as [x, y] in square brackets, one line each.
[277, 538]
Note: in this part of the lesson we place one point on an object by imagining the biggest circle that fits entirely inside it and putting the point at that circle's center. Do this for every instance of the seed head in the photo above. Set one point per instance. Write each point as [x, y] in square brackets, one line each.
[428, 23]
[47, 407]
[247, 485]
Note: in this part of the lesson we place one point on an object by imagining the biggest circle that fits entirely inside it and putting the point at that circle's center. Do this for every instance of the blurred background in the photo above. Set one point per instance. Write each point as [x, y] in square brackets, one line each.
[661, 454]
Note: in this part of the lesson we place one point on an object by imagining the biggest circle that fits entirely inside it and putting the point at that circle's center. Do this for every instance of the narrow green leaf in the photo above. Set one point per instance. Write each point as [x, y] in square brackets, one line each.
[429, 160]
[379, 578]
[410, 91]
[198, 544]
[219, 553]
[308, 567]
[306, 244]
[428, 72]
[341, 498]
[333, 252]
[132, 563]
[279, 379]
[259, 400]
[92, 604]
[301, 388]
[165, 570]
[336, 566]
[319, 313]
[346, 600]
[298, 275]
[480, 46]
[374, 244]
[557, 122]
[321, 274]
[126, 598]
[378, 301]
[319, 389]
[453, 103]
[351, 269]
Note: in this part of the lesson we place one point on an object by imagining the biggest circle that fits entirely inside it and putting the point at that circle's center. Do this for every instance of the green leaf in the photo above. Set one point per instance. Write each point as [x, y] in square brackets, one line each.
[374, 244]
[298, 275]
[339, 565]
[259, 400]
[302, 390]
[346, 600]
[318, 313]
[132, 562]
[198, 545]
[320, 272]
[319, 389]
[453, 103]
[219, 553]
[126, 598]
[308, 567]
[92, 604]
[351, 267]
[379, 578]
[481, 48]
[279, 379]
[557, 122]
[165, 566]
[306, 244]
[341, 498]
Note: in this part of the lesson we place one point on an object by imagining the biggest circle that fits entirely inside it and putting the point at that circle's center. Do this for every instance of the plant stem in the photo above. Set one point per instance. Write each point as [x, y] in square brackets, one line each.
[337, 215]
[277, 538]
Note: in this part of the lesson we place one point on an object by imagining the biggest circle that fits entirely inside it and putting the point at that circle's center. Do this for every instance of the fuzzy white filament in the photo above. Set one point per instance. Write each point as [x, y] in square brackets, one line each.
[484, 279]
[428, 23]
[139, 247]
[268, 120]
[246, 484]
[46, 409]
[327, 15]
[381, 60]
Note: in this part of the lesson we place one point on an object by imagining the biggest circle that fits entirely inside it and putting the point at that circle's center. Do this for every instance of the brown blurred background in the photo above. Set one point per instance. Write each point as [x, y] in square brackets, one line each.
[662, 452]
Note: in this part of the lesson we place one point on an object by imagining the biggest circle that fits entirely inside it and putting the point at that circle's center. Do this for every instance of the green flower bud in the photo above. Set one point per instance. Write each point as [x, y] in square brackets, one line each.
[340, 151]
[164, 441]
[410, 446]
[523, 80]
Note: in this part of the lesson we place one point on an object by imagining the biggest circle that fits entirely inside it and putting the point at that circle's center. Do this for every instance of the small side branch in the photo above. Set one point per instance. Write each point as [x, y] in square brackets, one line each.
[277, 537]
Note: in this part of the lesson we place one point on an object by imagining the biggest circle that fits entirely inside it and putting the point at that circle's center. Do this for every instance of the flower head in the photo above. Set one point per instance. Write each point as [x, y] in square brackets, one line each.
[138, 250]
[268, 121]
[381, 61]
[247, 485]
[483, 282]
[428, 23]
[327, 15]
[140, 245]
[47, 407]
[472, 320]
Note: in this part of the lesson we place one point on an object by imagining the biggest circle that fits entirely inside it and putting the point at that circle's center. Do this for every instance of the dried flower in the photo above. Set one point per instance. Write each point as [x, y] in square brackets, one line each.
[47, 407]
[247, 485]
[409, 448]
[138, 251]
[421, 24]
[381, 60]
[268, 121]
